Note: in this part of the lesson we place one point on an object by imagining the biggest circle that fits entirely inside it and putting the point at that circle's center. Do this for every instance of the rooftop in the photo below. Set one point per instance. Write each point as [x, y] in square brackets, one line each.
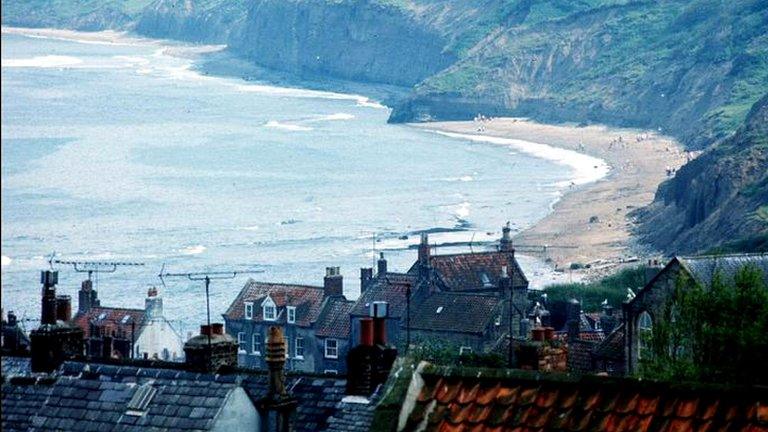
[306, 298]
[333, 321]
[473, 271]
[113, 321]
[703, 268]
[388, 287]
[455, 312]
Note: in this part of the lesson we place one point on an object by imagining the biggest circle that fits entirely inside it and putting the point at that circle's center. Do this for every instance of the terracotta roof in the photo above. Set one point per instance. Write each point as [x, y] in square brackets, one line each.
[307, 300]
[389, 287]
[454, 399]
[472, 271]
[112, 321]
[334, 321]
[455, 312]
[612, 347]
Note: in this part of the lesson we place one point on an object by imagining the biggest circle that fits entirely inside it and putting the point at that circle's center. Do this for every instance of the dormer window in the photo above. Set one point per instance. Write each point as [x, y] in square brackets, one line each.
[269, 309]
[248, 310]
[291, 314]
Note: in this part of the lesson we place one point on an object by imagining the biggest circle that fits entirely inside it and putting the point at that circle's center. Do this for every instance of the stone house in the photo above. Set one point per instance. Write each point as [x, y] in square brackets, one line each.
[642, 312]
[314, 320]
[125, 332]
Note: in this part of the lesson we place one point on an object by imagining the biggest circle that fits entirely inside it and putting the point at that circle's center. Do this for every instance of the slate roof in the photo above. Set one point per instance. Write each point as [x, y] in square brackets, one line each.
[473, 271]
[455, 312]
[334, 321]
[21, 401]
[95, 397]
[612, 347]
[389, 287]
[703, 268]
[317, 397]
[454, 399]
[353, 414]
[15, 366]
[306, 298]
[113, 321]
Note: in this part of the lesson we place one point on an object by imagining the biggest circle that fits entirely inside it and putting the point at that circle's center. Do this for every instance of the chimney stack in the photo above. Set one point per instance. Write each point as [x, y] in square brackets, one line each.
[153, 304]
[573, 325]
[53, 343]
[368, 363]
[333, 283]
[505, 244]
[210, 350]
[381, 264]
[366, 275]
[87, 297]
[424, 250]
[63, 308]
[276, 407]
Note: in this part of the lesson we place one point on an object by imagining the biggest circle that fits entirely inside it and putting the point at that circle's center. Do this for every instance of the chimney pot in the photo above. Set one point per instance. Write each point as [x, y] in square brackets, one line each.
[217, 329]
[549, 333]
[63, 308]
[381, 264]
[538, 334]
[380, 331]
[366, 332]
[379, 309]
[333, 283]
[205, 330]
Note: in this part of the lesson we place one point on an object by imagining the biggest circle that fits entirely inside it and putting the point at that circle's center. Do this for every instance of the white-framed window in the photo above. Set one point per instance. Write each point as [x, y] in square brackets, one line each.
[241, 342]
[256, 343]
[331, 372]
[287, 348]
[331, 348]
[269, 310]
[465, 350]
[299, 347]
[291, 311]
[248, 310]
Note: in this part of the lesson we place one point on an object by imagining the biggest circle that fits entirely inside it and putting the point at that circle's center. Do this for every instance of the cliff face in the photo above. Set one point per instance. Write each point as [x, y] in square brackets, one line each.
[356, 40]
[689, 68]
[193, 21]
[719, 197]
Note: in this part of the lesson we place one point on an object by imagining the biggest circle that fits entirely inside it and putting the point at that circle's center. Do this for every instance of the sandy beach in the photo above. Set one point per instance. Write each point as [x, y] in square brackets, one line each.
[590, 224]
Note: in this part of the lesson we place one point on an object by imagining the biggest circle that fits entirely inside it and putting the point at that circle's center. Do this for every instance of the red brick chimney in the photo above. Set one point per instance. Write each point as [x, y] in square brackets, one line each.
[333, 283]
[63, 308]
[369, 363]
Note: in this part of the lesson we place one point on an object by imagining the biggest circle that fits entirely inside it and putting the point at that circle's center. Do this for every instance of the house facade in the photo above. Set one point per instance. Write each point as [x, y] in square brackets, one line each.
[314, 320]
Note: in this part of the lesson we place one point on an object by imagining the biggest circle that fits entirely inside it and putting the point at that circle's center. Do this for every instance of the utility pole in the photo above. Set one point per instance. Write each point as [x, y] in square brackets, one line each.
[207, 277]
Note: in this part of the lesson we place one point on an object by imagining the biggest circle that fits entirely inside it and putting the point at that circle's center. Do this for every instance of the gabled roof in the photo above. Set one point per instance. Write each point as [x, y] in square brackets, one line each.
[307, 300]
[612, 347]
[455, 312]
[317, 397]
[459, 399]
[704, 268]
[114, 321]
[99, 397]
[388, 287]
[21, 402]
[474, 271]
[334, 321]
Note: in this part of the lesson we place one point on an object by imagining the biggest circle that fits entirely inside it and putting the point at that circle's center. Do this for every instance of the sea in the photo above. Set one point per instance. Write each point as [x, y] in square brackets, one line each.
[123, 149]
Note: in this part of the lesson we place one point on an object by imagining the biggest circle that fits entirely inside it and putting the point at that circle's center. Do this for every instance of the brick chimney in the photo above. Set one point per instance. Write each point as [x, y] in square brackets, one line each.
[276, 407]
[333, 283]
[210, 350]
[63, 308]
[369, 363]
[87, 297]
[54, 341]
[424, 250]
[366, 275]
[381, 264]
[505, 244]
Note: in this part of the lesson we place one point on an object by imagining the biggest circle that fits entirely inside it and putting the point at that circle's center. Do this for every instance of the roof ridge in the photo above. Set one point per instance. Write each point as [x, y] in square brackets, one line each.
[728, 255]
[284, 284]
[468, 253]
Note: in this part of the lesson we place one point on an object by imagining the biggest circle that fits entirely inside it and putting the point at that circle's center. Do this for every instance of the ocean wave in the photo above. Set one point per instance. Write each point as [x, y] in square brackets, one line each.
[462, 210]
[49, 61]
[6, 261]
[586, 168]
[336, 116]
[192, 250]
[287, 126]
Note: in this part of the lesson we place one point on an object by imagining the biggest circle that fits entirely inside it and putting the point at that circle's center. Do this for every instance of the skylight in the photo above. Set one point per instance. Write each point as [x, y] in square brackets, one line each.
[439, 309]
[140, 400]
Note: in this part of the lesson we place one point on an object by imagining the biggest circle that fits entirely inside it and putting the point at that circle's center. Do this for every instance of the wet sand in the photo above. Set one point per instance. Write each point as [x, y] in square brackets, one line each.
[590, 224]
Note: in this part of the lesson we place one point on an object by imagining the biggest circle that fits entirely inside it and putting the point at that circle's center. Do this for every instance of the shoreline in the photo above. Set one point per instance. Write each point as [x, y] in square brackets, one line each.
[590, 223]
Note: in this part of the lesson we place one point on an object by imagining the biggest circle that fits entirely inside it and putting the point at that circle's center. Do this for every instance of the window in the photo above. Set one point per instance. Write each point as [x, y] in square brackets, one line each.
[497, 321]
[331, 348]
[331, 372]
[465, 350]
[287, 348]
[248, 310]
[241, 341]
[644, 334]
[256, 343]
[299, 347]
[269, 309]
[291, 314]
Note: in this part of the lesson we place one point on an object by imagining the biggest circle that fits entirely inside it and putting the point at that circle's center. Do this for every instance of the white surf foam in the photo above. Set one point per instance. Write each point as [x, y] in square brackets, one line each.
[49, 61]
[6, 261]
[336, 116]
[192, 250]
[287, 126]
[586, 168]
